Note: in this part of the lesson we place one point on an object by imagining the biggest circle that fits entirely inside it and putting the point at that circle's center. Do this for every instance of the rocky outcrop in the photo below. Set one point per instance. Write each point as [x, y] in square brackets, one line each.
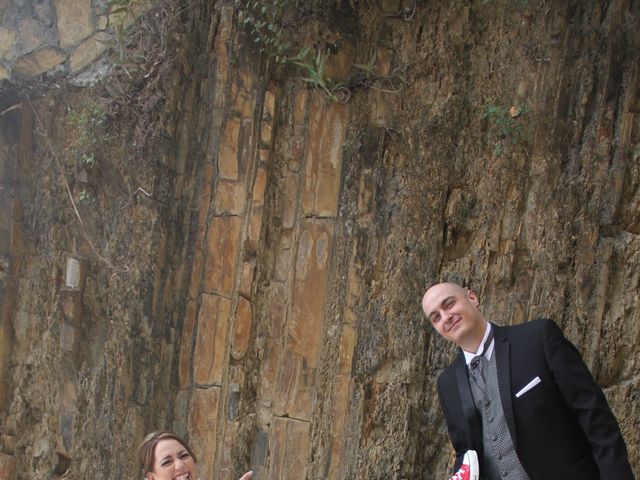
[253, 278]
[62, 37]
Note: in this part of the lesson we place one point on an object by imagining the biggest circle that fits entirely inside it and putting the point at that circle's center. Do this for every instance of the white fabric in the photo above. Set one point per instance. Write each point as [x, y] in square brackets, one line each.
[469, 356]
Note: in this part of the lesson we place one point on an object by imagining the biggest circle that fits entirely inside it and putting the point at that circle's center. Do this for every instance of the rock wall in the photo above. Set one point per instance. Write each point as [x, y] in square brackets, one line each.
[253, 278]
[62, 37]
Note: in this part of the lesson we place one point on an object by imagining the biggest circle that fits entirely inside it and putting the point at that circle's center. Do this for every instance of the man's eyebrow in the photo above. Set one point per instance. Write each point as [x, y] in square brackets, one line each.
[442, 303]
[446, 299]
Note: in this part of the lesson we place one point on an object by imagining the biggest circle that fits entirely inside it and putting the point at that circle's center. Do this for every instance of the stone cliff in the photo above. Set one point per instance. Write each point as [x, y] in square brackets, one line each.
[201, 241]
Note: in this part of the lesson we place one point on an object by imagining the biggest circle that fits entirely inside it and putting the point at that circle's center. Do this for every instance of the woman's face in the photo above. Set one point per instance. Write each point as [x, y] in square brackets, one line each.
[172, 462]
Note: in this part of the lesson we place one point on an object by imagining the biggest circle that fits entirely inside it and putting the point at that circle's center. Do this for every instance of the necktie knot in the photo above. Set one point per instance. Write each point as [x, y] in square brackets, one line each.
[475, 362]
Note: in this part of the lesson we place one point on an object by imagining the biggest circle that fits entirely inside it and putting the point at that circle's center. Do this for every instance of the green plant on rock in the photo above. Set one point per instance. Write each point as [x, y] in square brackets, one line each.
[84, 195]
[89, 132]
[313, 63]
[507, 125]
[366, 76]
[122, 14]
[265, 20]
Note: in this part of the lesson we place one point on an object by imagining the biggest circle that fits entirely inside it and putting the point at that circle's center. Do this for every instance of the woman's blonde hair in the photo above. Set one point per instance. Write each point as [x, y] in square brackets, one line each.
[146, 451]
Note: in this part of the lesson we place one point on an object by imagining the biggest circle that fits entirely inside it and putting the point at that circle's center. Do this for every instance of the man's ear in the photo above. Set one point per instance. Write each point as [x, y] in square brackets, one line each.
[473, 298]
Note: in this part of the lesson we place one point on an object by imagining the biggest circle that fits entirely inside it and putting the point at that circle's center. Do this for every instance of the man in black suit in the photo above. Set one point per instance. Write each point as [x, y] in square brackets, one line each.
[522, 397]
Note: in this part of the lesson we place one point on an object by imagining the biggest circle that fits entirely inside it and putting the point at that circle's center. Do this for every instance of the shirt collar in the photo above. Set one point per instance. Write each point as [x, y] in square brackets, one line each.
[469, 356]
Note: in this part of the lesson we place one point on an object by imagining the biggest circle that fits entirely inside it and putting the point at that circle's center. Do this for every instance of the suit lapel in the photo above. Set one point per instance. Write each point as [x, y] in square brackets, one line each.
[468, 407]
[503, 363]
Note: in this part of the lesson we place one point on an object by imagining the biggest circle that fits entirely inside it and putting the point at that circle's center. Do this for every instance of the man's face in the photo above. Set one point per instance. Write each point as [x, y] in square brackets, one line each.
[453, 312]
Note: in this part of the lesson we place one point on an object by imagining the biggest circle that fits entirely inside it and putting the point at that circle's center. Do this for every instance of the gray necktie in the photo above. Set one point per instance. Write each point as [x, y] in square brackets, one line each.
[478, 364]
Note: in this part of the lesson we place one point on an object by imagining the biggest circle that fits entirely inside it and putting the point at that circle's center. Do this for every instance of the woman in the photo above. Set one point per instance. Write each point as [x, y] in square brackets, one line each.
[165, 456]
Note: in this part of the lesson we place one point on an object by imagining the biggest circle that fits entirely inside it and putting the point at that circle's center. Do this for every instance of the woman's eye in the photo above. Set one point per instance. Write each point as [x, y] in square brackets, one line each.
[185, 455]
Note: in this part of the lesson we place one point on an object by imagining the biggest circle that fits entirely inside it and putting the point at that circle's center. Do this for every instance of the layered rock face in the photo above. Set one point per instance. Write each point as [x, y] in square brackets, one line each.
[252, 277]
[61, 36]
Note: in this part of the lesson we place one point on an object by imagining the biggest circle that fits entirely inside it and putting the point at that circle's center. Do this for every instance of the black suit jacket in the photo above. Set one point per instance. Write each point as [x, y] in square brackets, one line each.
[562, 427]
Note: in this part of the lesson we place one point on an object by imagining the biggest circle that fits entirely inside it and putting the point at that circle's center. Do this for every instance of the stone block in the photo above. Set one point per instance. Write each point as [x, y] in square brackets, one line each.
[8, 444]
[196, 271]
[203, 426]
[298, 448]
[64, 442]
[289, 201]
[244, 104]
[228, 152]
[323, 163]
[205, 195]
[296, 150]
[263, 155]
[255, 228]
[245, 146]
[268, 107]
[88, 51]
[347, 347]
[211, 340]
[277, 447]
[339, 411]
[186, 346]
[340, 65]
[242, 329]
[7, 44]
[259, 187]
[266, 131]
[300, 107]
[40, 61]
[7, 467]
[71, 307]
[289, 447]
[341, 401]
[233, 402]
[31, 35]
[295, 388]
[259, 448]
[283, 265]
[181, 412]
[277, 300]
[222, 251]
[379, 112]
[272, 354]
[73, 272]
[43, 11]
[102, 22]
[67, 337]
[230, 197]
[309, 288]
[74, 21]
[246, 281]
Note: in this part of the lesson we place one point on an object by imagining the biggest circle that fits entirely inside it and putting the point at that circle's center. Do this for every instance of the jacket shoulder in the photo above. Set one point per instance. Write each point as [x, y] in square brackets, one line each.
[537, 325]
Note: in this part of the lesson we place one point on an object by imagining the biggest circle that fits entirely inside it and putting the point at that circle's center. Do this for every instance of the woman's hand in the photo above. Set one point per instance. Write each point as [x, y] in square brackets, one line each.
[246, 476]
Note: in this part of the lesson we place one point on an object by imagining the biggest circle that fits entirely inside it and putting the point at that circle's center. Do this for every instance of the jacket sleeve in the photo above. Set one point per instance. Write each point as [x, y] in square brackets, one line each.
[588, 404]
[456, 436]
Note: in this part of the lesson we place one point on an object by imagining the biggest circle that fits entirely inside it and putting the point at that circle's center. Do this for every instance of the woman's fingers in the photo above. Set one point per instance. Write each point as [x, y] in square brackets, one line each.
[246, 476]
